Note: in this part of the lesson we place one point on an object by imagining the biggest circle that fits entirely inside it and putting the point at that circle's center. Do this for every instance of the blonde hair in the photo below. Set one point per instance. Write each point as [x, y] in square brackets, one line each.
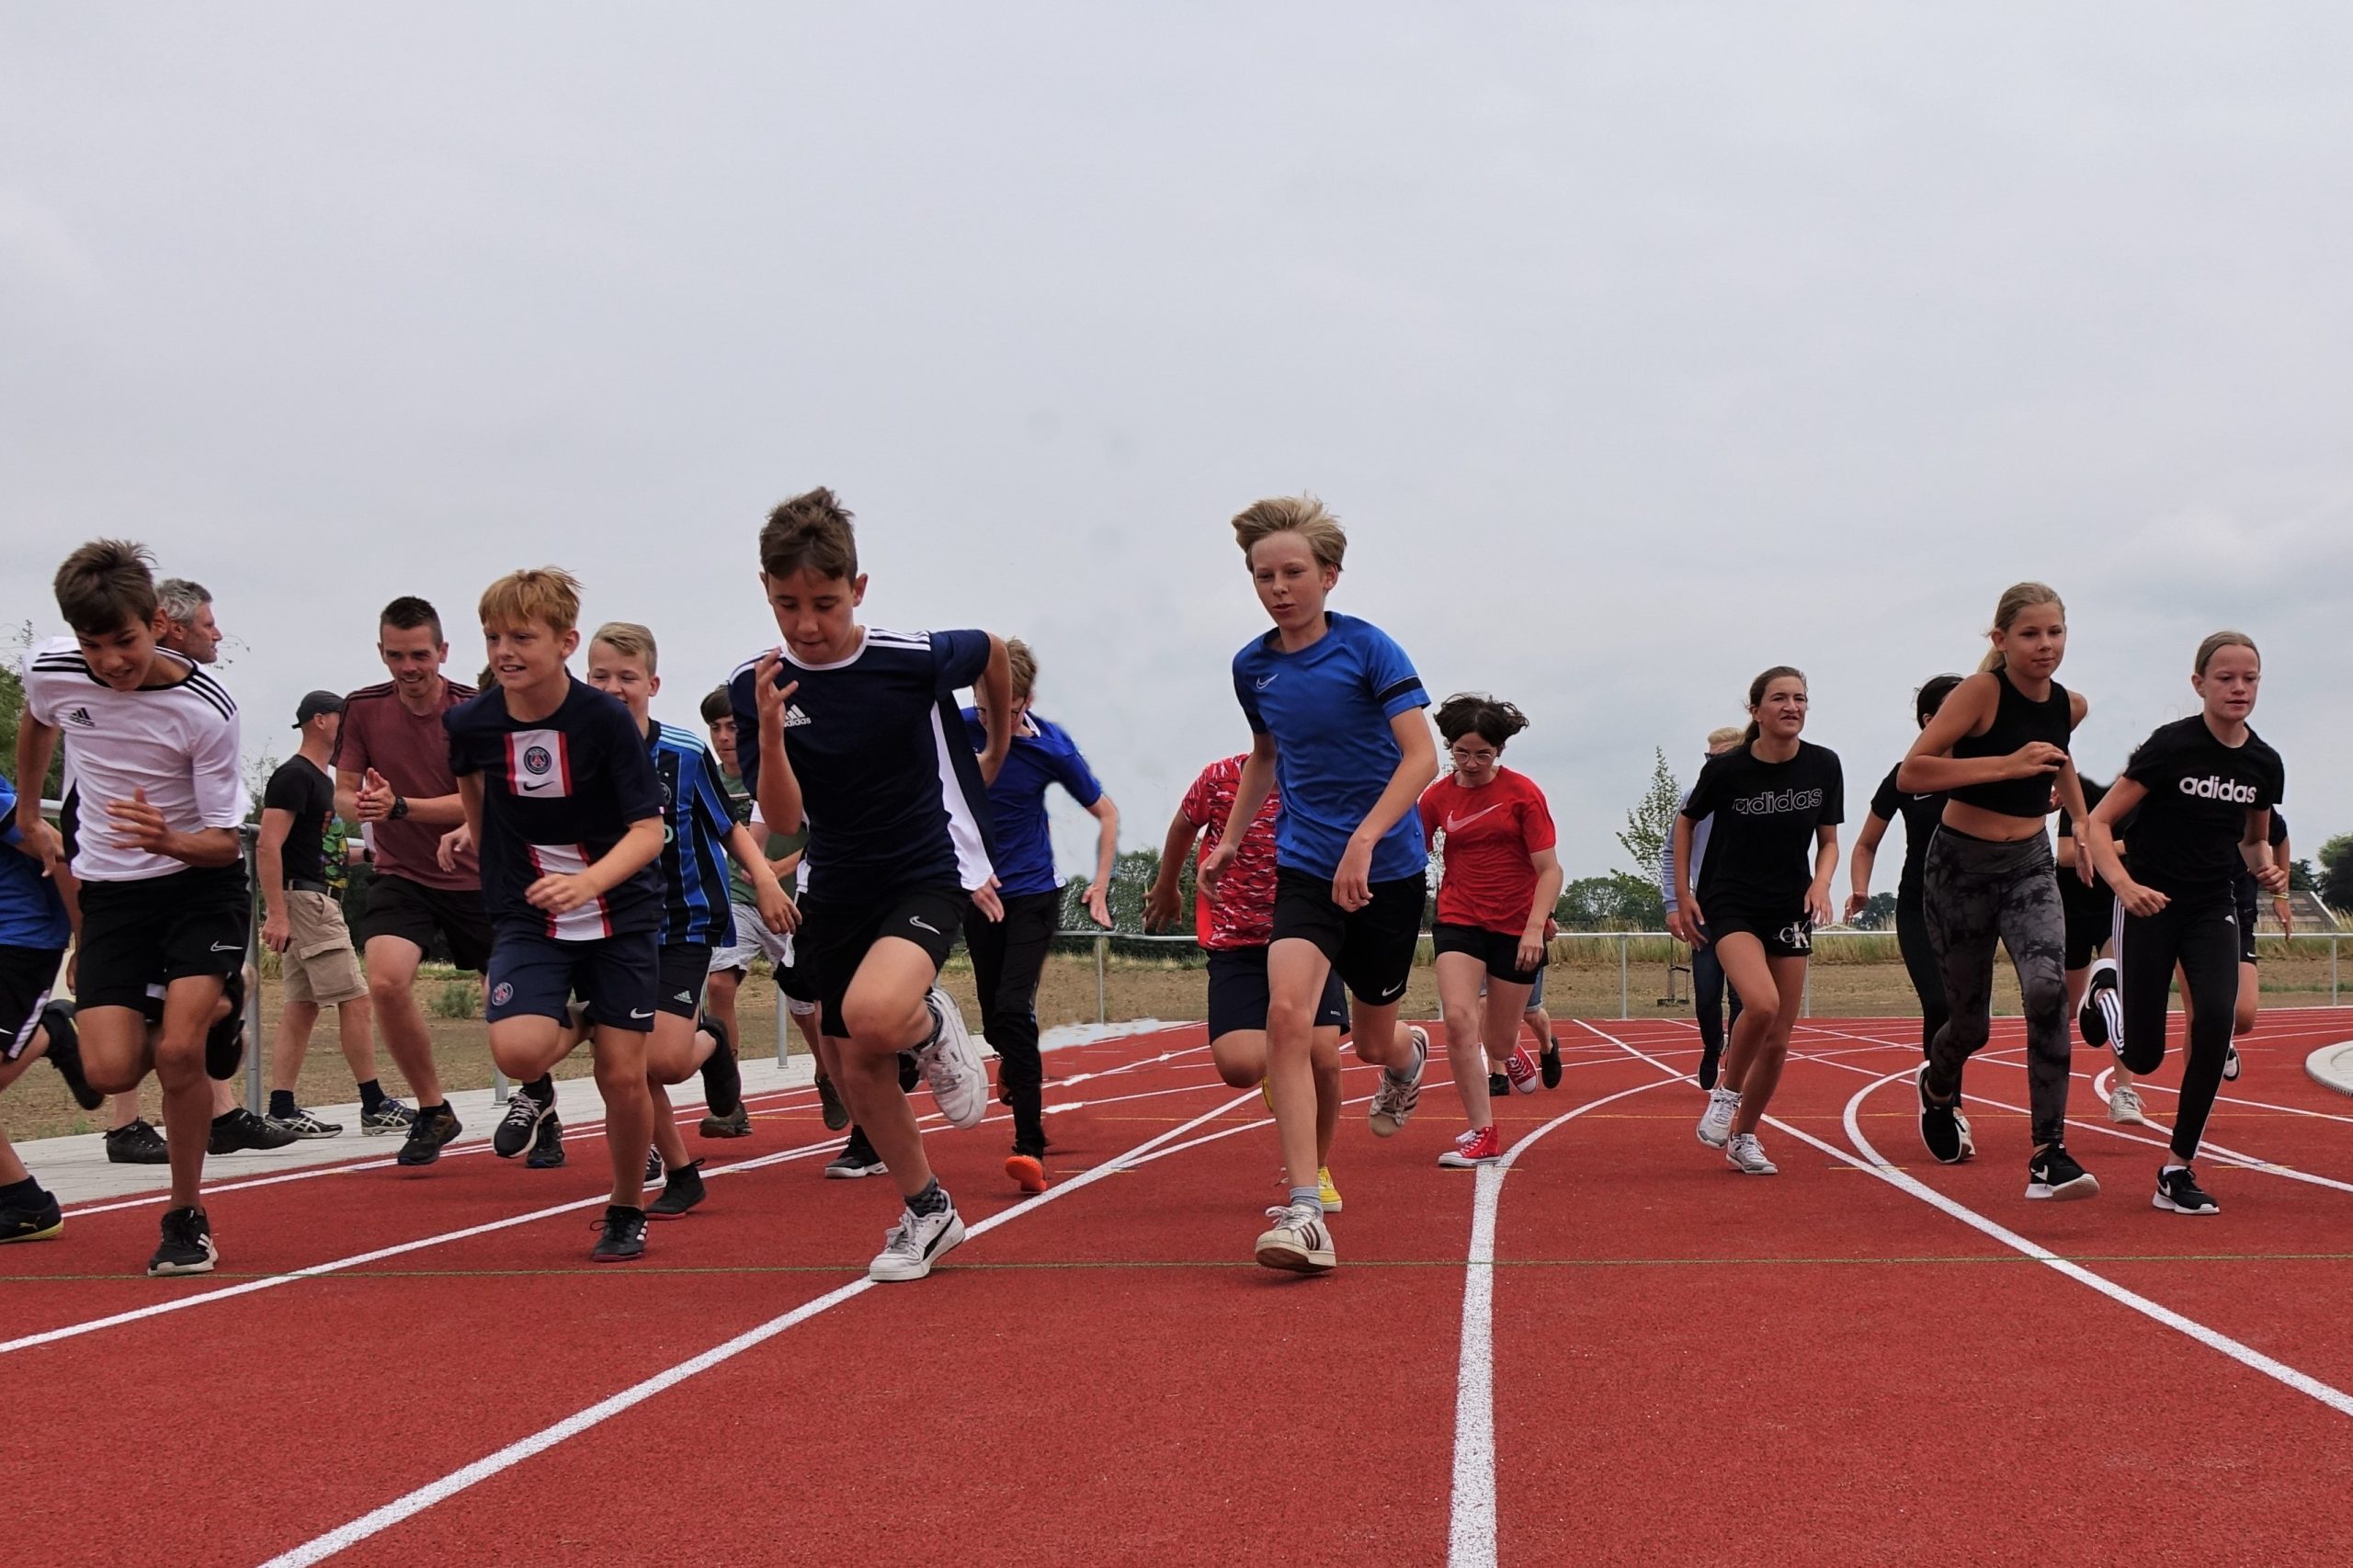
[1301, 515]
[2221, 640]
[627, 639]
[2016, 599]
[1023, 663]
[1724, 735]
[549, 594]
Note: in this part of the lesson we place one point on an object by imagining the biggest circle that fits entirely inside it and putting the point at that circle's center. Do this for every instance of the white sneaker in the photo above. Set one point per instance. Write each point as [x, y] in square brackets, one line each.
[952, 1066]
[2231, 1066]
[1967, 1139]
[1746, 1155]
[2124, 1106]
[1715, 1127]
[1394, 1103]
[1299, 1241]
[915, 1244]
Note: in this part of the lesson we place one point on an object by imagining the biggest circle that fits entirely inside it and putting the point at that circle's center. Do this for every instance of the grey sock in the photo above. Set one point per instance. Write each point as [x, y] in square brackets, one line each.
[1309, 1195]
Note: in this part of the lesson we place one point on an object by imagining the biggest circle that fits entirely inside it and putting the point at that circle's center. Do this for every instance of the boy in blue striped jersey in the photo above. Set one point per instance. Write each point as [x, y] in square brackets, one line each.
[699, 833]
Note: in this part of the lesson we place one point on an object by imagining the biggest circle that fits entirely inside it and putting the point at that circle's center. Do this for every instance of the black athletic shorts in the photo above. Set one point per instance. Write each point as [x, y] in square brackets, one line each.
[2245, 889]
[1497, 950]
[834, 939]
[137, 937]
[1783, 938]
[1238, 994]
[26, 976]
[1372, 949]
[2091, 916]
[685, 969]
[414, 912]
[533, 975]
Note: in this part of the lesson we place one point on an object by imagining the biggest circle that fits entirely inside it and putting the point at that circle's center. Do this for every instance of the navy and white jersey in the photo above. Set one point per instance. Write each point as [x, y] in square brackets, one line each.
[1329, 707]
[558, 794]
[697, 817]
[889, 783]
[178, 743]
[2186, 836]
[1038, 760]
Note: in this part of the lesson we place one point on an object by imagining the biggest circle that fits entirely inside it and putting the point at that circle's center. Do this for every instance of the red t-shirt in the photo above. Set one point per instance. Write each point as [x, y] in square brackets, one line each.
[1491, 834]
[1243, 915]
[413, 753]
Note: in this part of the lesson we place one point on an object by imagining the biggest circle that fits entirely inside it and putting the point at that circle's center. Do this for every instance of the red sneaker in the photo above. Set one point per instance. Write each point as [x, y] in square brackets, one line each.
[1480, 1146]
[1522, 1070]
[1028, 1171]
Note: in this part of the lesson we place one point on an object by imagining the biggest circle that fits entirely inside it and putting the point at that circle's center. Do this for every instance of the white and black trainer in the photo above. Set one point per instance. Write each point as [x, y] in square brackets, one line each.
[2178, 1193]
[915, 1244]
[951, 1067]
[521, 1123]
[1715, 1122]
[2053, 1174]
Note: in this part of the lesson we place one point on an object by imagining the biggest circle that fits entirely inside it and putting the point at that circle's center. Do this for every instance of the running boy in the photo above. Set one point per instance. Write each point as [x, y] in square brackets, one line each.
[151, 742]
[1336, 709]
[847, 727]
[563, 805]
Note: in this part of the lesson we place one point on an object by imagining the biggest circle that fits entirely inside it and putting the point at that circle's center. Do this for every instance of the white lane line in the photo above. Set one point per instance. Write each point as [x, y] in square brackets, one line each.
[1471, 1528]
[1871, 1161]
[400, 1249]
[380, 1519]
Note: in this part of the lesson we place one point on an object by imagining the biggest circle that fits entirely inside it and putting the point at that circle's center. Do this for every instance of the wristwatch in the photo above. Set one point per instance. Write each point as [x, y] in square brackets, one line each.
[399, 808]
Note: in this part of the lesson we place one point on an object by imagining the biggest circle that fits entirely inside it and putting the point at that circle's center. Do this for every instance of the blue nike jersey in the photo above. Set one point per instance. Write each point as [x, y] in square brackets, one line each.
[31, 915]
[1024, 845]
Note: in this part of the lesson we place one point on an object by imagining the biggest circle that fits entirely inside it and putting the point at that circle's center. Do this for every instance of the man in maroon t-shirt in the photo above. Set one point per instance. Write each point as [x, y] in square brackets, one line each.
[393, 776]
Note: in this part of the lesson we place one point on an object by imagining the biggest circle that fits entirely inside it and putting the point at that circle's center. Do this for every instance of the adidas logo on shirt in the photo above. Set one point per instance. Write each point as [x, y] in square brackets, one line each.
[1766, 803]
[81, 717]
[793, 717]
[2211, 788]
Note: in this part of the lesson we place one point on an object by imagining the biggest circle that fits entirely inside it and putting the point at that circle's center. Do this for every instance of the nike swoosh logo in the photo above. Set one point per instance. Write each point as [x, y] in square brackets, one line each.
[1456, 823]
[918, 921]
[635, 1014]
[226, 947]
[1266, 681]
[530, 787]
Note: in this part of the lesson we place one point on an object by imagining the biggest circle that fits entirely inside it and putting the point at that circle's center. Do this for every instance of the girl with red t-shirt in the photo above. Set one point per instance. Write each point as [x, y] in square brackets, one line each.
[1501, 878]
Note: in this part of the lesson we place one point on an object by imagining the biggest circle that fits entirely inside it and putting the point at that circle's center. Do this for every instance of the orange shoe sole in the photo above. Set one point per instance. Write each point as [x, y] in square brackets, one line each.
[1028, 1172]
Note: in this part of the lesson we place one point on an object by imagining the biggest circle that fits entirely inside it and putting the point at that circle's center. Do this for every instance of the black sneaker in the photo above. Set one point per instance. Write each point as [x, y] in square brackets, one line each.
[187, 1246]
[1710, 1062]
[1941, 1125]
[426, 1134]
[680, 1193]
[622, 1235]
[65, 1054]
[736, 1126]
[1498, 1086]
[856, 1159]
[304, 1124]
[520, 1125]
[2178, 1193]
[136, 1142]
[652, 1166]
[722, 1080]
[547, 1146]
[2054, 1174]
[2094, 1018]
[1551, 1063]
[224, 1042]
[829, 1101]
[34, 1222]
[241, 1129]
[390, 1116]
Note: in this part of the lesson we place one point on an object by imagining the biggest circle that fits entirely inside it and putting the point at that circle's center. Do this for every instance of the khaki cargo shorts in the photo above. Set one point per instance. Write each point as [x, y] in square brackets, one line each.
[319, 963]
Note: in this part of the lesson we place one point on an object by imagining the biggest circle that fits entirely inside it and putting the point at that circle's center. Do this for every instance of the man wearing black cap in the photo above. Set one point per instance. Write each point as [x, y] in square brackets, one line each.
[303, 925]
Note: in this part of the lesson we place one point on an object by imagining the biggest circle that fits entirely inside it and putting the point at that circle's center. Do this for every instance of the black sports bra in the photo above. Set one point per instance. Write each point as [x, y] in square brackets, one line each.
[2018, 720]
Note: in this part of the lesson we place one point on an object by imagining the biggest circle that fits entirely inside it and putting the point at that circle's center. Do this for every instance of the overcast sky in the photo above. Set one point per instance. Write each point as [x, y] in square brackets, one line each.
[1640, 347]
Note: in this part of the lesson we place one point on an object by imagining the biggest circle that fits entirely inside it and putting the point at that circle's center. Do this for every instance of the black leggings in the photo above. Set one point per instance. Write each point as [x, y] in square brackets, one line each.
[2200, 931]
[1008, 955]
[1709, 989]
[1979, 892]
[1920, 963]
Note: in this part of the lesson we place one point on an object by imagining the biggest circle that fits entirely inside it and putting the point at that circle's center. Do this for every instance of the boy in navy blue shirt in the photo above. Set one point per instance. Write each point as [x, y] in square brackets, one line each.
[33, 933]
[1335, 713]
[561, 800]
[846, 727]
[1008, 955]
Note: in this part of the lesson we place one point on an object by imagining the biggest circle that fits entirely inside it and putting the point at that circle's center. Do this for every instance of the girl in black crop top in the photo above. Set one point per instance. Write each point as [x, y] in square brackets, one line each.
[1997, 748]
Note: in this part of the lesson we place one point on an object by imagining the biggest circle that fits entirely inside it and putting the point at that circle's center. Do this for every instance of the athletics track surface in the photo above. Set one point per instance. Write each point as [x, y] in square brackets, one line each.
[1663, 1363]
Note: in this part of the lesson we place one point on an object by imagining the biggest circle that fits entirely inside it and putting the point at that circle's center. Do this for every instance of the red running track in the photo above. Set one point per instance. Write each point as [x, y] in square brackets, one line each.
[1689, 1366]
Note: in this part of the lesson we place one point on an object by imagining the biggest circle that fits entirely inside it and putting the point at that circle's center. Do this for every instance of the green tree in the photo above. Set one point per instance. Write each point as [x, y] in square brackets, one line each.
[2336, 886]
[1879, 914]
[1650, 826]
[1612, 902]
[2300, 878]
[11, 708]
[1132, 874]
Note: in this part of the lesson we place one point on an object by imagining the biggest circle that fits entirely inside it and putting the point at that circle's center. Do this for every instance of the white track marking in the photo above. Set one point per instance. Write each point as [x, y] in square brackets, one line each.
[1470, 1528]
[1871, 1161]
[378, 1520]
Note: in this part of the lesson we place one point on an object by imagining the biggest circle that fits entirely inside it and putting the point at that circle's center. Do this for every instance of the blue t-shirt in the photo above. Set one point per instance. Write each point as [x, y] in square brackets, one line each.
[697, 817]
[1025, 848]
[891, 804]
[31, 915]
[1328, 707]
[558, 793]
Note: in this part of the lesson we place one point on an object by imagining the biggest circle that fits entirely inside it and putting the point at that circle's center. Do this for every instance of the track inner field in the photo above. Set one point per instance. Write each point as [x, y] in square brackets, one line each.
[1688, 1365]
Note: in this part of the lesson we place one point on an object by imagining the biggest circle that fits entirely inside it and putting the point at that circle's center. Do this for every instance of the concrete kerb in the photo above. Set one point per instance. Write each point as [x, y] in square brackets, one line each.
[2332, 1066]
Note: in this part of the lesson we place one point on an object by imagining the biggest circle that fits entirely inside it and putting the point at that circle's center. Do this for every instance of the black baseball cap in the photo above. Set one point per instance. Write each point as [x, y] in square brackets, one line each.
[316, 703]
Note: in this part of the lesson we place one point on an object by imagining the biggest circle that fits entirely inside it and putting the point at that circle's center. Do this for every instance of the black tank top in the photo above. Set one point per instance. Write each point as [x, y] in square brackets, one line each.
[2017, 722]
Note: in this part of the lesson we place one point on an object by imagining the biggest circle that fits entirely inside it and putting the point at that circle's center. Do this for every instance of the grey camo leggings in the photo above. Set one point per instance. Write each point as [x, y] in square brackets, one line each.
[1978, 891]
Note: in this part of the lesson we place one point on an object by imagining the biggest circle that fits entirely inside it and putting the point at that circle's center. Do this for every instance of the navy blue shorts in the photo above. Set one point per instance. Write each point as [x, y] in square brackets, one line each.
[1238, 994]
[533, 975]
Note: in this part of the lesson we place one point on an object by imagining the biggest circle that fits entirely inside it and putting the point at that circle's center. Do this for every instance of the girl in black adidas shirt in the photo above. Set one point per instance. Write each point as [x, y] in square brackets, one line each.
[1920, 813]
[1778, 801]
[2203, 788]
